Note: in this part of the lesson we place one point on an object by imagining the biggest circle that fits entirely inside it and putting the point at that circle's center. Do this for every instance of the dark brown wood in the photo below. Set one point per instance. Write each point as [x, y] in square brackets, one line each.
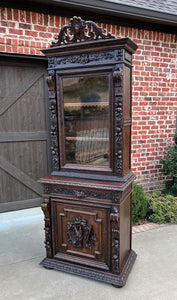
[87, 206]
[23, 133]
[79, 30]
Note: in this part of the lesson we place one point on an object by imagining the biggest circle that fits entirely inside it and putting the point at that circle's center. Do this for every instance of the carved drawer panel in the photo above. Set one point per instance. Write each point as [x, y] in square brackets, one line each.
[80, 234]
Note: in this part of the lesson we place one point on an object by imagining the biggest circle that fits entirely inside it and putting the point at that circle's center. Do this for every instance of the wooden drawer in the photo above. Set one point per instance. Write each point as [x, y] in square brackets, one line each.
[81, 234]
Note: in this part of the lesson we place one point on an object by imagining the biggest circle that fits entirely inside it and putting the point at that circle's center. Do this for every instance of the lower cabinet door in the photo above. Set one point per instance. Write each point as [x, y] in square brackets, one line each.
[81, 234]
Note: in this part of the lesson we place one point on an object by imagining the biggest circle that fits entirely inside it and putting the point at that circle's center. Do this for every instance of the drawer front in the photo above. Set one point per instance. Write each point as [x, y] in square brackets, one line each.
[81, 234]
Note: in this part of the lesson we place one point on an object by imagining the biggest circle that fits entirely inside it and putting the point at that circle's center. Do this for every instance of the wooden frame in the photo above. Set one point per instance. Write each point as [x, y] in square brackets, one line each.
[20, 75]
[77, 73]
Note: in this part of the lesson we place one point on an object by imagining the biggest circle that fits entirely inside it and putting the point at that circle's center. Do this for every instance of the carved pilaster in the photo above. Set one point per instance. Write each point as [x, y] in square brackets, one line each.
[53, 117]
[114, 218]
[45, 206]
[118, 117]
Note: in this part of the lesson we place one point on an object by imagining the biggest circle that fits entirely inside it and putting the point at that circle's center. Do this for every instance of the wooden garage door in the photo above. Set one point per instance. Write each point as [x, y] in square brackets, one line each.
[23, 133]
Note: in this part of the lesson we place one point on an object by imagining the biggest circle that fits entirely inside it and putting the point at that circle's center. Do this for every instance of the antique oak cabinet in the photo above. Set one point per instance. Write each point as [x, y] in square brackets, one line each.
[87, 197]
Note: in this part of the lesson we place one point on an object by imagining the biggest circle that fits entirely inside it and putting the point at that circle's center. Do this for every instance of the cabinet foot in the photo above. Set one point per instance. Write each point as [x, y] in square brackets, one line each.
[117, 286]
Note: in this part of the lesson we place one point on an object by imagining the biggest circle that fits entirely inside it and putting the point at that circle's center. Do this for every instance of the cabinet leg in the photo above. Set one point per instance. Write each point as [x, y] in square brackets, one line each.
[117, 286]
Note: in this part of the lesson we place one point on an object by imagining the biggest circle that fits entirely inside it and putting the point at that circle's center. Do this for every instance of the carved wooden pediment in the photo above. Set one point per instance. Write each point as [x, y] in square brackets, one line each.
[79, 30]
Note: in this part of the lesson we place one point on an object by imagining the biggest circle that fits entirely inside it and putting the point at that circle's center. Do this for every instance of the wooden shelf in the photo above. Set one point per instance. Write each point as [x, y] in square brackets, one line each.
[87, 139]
[81, 104]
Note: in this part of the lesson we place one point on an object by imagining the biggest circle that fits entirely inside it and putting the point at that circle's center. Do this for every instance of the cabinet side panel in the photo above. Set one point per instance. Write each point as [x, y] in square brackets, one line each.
[127, 93]
[127, 120]
[126, 149]
[125, 230]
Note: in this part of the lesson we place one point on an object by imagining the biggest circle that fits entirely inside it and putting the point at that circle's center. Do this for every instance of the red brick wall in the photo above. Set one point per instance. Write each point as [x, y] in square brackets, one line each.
[154, 82]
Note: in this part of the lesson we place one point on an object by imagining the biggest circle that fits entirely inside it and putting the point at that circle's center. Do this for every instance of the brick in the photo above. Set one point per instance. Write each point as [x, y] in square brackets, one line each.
[31, 33]
[2, 48]
[9, 13]
[45, 35]
[24, 26]
[16, 31]
[40, 28]
[22, 16]
[2, 30]
[34, 17]
[28, 17]
[15, 13]
[46, 20]
[40, 19]
[51, 21]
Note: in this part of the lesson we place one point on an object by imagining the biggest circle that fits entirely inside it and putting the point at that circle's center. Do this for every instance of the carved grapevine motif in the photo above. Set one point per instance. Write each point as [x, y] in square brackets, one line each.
[118, 115]
[80, 234]
[79, 30]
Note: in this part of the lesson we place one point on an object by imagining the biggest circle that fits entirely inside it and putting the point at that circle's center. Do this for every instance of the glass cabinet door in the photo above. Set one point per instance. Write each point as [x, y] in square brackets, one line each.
[86, 120]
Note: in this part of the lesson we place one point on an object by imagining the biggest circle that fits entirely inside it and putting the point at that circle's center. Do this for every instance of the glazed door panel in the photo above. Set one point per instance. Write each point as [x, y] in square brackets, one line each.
[81, 234]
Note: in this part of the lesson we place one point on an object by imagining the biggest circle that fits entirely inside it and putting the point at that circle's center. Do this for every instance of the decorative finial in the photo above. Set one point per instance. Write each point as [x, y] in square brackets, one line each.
[79, 30]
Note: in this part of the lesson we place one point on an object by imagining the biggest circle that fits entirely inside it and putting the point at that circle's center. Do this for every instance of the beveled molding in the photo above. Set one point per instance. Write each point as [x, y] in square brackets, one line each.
[92, 273]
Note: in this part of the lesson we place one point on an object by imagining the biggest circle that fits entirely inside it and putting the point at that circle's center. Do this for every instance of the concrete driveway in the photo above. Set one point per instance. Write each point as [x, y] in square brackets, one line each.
[153, 277]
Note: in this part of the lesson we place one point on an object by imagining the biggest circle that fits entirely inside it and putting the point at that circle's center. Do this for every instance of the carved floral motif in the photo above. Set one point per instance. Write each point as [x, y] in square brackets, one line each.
[79, 30]
[80, 234]
[114, 218]
[118, 115]
[119, 54]
[77, 193]
[116, 198]
[85, 58]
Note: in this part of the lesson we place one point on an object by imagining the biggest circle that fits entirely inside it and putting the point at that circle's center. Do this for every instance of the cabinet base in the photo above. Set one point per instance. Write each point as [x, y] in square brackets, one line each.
[115, 280]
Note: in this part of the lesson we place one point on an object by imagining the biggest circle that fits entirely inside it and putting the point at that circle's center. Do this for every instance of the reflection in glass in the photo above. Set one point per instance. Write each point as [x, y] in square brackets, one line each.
[86, 118]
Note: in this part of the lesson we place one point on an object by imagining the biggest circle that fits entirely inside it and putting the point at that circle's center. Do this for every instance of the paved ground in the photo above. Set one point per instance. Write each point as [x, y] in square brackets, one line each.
[154, 275]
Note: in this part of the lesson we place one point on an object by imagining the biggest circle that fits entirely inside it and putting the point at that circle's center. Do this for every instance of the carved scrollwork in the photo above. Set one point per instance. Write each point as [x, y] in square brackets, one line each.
[79, 30]
[48, 237]
[85, 58]
[50, 82]
[118, 74]
[79, 194]
[114, 218]
[53, 117]
[45, 207]
[80, 234]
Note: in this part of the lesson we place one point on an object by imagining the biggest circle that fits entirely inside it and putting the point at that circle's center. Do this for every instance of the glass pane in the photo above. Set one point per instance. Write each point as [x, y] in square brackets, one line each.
[86, 117]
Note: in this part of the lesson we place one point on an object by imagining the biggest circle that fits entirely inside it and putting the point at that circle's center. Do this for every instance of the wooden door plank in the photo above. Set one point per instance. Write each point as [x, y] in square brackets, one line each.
[20, 176]
[9, 206]
[23, 136]
[22, 88]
